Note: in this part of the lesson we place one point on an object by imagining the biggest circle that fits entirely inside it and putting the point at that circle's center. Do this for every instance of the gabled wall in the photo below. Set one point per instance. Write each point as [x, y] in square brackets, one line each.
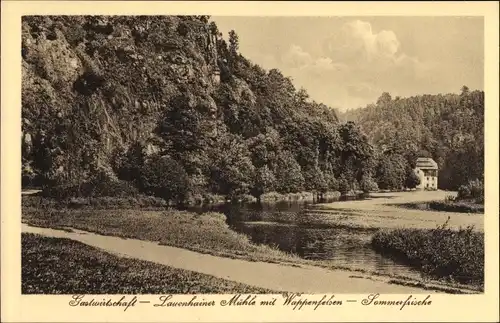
[426, 181]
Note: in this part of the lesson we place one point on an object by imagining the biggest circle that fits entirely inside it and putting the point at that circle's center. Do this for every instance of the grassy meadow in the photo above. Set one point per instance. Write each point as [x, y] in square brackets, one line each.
[64, 266]
[444, 253]
[206, 233]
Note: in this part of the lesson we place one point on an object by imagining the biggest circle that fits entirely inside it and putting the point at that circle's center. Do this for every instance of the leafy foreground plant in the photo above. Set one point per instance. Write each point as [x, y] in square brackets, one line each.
[454, 255]
[63, 266]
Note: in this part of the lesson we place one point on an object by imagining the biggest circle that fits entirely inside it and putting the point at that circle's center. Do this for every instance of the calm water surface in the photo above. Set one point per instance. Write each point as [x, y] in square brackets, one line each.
[295, 227]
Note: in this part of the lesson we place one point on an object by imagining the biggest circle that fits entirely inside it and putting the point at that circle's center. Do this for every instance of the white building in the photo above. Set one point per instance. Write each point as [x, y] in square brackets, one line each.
[427, 170]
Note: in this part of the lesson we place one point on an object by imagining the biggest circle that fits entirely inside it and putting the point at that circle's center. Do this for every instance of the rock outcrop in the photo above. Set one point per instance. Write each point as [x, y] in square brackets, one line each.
[101, 84]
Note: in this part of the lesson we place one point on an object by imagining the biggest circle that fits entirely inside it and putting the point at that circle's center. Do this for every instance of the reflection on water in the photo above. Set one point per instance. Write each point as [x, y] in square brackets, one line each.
[295, 227]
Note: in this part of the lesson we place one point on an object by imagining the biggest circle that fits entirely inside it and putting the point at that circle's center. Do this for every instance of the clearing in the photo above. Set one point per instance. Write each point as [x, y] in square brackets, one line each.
[381, 210]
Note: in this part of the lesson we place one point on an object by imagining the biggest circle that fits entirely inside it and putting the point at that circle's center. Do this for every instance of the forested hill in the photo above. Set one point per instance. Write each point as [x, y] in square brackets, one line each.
[135, 102]
[123, 104]
[448, 128]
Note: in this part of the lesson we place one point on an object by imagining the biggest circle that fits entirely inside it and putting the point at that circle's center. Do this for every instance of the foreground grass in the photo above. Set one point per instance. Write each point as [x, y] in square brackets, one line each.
[446, 206]
[63, 266]
[206, 233]
[456, 256]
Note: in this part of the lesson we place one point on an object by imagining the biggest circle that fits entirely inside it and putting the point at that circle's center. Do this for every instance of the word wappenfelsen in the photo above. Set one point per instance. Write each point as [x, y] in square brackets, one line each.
[294, 300]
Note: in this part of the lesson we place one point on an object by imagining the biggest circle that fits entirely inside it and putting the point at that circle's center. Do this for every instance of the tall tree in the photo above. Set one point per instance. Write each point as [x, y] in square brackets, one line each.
[234, 43]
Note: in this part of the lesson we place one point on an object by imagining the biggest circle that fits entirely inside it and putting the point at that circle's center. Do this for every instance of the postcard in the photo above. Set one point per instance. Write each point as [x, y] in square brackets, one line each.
[249, 161]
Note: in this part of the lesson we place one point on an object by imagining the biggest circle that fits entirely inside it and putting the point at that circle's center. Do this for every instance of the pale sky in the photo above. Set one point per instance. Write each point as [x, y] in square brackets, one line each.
[347, 62]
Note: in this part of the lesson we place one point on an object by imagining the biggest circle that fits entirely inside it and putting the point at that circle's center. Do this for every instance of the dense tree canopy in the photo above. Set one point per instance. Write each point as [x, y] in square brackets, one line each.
[448, 128]
[144, 109]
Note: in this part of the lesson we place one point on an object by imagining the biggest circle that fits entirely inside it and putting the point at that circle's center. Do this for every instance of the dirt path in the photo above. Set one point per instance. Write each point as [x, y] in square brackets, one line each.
[381, 211]
[265, 275]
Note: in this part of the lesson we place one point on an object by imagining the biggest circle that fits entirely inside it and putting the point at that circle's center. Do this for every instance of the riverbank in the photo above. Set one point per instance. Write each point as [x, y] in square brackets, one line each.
[35, 199]
[442, 253]
[385, 211]
[206, 233]
[445, 206]
[301, 279]
[61, 263]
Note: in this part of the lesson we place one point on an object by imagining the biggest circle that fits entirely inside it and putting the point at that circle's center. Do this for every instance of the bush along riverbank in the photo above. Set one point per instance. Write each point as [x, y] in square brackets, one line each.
[459, 207]
[470, 199]
[446, 206]
[442, 253]
[139, 201]
[207, 233]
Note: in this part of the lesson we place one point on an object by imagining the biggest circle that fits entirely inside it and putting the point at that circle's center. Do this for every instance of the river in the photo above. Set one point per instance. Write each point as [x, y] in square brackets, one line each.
[295, 227]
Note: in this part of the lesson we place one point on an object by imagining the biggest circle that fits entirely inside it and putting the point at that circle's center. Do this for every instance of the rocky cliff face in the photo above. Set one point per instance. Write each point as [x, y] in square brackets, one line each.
[92, 86]
[136, 98]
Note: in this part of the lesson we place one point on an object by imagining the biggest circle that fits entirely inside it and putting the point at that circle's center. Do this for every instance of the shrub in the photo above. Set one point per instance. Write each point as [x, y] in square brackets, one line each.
[461, 207]
[472, 190]
[77, 202]
[441, 252]
[344, 186]
[477, 189]
[368, 184]
[211, 198]
[29, 178]
[464, 192]
[331, 181]
[94, 188]
[114, 188]
[164, 177]
[128, 164]
[38, 202]
[412, 180]
[151, 201]
[332, 194]
[449, 198]
[100, 202]
[68, 191]
[271, 196]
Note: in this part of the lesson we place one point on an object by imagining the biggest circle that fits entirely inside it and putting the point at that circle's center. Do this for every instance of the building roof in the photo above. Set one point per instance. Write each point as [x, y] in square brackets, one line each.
[426, 163]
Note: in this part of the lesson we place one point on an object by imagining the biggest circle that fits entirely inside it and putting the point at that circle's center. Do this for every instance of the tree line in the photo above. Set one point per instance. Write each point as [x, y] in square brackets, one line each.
[446, 127]
[252, 133]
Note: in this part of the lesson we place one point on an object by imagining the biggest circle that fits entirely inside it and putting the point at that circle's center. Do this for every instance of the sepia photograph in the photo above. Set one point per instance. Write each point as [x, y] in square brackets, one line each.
[252, 154]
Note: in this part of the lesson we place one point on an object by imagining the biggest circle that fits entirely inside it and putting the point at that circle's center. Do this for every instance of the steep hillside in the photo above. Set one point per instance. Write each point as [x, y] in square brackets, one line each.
[449, 128]
[94, 85]
[138, 101]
